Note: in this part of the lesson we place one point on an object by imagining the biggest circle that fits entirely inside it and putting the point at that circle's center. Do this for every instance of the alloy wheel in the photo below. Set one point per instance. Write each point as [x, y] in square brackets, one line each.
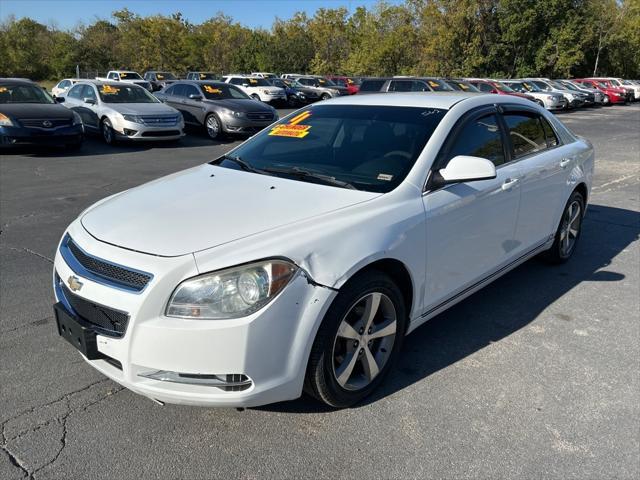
[570, 228]
[107, 133]
[213, 126]
[364, 341]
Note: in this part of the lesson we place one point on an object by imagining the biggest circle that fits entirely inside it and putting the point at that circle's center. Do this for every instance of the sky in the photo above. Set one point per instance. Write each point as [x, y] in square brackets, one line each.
[252, 13]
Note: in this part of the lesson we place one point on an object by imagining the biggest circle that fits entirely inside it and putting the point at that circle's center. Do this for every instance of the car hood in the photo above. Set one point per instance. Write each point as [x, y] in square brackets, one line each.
[141, 108]
[241, 105]
[207, 206]
[35, 110]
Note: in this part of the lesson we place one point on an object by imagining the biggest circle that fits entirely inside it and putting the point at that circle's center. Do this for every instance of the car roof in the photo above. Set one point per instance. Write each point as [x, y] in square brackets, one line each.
[443, 100]
[108, 82]
[21, 81]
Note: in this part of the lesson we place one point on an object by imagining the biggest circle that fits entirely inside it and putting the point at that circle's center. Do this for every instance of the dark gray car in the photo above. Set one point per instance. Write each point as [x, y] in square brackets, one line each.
[217, 106]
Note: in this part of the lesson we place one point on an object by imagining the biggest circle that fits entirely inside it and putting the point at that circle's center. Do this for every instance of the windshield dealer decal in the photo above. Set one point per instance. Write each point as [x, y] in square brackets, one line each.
[293, 129]
[210, 89]
[109, 90]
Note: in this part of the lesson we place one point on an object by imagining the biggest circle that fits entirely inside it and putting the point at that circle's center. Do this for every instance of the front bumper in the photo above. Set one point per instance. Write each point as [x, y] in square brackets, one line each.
[269, 349]
[278, 97]
[126, 130]
[37, 136]
[244, 125]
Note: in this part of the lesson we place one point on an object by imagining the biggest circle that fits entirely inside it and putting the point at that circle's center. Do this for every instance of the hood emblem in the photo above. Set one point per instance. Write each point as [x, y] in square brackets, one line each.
[47, 124]
[74, 283]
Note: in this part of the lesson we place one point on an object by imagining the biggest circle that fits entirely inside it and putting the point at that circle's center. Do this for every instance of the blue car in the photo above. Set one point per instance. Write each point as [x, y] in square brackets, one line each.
[295, 96]
[30, 116]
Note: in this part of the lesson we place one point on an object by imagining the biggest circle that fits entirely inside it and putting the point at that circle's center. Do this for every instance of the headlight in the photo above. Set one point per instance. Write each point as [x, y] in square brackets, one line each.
[232, 113]
[267, 92]
[132, 118]
[77, 119]
[231, 293]
[5, 121]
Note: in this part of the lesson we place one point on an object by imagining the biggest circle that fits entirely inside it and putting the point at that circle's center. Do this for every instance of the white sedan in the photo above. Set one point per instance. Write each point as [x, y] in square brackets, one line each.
[301, 259]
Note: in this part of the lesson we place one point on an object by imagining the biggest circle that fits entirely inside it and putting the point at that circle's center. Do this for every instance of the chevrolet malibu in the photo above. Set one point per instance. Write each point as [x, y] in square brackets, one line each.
[300, 259]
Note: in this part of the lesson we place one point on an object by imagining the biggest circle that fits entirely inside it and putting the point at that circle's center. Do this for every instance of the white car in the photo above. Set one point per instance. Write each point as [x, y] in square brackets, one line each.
[257, 88]
[303, 257]
[63, 86]
[550, 101]
[264, 74]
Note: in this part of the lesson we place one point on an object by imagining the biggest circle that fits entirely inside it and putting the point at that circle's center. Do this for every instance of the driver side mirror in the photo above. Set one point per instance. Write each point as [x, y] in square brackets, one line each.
[245, 84]
[59, 99]
[195, 96]
[89, 100]
[464, 168]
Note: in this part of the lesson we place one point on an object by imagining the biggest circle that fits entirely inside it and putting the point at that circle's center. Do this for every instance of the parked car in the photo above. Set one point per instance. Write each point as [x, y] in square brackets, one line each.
[574, 99]
[633, 85]
[614, 94]
[595, 96]
[123, 111]
[499, 88]
[588, 98]
[159, 80]
[264, 75]
[257, 88]
[295, 95]
[460, 85]
[292, 76]
[404, 84]
[550, 101]
[202, 76]
[125, 76]
[30, 116]
[347, 82]
[63, 86]
[324, 88]
[218, 107]
[299, 261]
[617, 83]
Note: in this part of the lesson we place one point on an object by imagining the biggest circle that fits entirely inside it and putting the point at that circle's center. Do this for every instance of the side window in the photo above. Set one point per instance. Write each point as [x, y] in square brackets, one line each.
[550, 135]
[64, 84]
[401, 86]
[170, 90]
[113, 75]
[191, 90]
[526, 133]
[236, 81]
[484, 87]
[179, 90]
[76, 91]
[371, 85]
[480, 138]
[88, 92]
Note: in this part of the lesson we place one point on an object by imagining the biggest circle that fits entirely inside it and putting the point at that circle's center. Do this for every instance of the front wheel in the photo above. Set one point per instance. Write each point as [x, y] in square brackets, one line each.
[255, 96]
[108, 134]
[568, 232]
[212, 123]
[358, 341]
[325, 96]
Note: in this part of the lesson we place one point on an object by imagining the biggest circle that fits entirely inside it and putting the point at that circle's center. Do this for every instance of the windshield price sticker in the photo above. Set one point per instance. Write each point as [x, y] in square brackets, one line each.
[109, 90]
[434, 84]
[293, 129]
[253, 80]
[210, 89]
[3, 89]
[463, 86]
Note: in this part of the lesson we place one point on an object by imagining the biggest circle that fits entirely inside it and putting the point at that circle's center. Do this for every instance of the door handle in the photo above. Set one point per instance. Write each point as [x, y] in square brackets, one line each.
[509, 183]
[564, 162]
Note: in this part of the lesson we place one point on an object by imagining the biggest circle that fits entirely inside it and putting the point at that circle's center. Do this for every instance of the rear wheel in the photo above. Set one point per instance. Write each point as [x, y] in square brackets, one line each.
[568, 232]
[325, 96]
[358, 341]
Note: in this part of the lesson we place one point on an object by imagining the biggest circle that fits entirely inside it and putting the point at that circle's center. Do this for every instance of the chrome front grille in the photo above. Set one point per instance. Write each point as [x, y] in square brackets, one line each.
[160, 120]
[102, 271]
[45, 123]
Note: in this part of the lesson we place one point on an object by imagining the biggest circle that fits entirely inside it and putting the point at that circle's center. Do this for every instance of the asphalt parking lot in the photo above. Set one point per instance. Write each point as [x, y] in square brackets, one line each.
[535, 376]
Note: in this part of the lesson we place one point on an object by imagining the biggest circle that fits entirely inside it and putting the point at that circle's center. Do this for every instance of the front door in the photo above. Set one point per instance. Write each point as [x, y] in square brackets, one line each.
[470, 225]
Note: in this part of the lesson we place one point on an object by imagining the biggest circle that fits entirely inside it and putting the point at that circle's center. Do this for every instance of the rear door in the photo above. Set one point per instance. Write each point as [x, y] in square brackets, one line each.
[545, 165]
[470, 225]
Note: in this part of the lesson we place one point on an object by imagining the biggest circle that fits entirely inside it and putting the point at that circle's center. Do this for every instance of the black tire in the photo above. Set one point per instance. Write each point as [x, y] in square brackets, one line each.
[291, 101]
[557, 254]
[320, 380]
[255, 96]
[108, 134]
[325, 96]
[213, 126]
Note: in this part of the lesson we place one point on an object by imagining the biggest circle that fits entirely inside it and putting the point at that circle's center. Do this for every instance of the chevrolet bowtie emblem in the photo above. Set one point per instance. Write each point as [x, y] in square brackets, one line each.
[74, 283]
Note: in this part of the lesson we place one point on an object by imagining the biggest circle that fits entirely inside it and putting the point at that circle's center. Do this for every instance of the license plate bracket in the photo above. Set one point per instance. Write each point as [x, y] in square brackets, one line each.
[77, 332]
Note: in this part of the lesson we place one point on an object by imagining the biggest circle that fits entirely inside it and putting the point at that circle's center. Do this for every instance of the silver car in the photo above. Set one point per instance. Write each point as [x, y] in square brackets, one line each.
[122, 111]
[323, 87]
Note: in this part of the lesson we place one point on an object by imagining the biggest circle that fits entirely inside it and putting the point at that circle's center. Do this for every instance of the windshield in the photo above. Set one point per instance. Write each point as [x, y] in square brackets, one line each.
[557, 85]
[125, 94]
[372, 148]
[570, 86]
[130, 76]
[293, 83]
[462, 86]
[603, 84]
[256, 82]
[325, 82]
[222, 91]
[532, 87]
[24, 94]
[165, 76]
[206, 76]
[502, 87]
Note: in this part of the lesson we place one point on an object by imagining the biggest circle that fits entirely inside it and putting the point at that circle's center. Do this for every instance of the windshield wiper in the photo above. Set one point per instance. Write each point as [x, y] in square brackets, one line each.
[302, 174]
[238, 161]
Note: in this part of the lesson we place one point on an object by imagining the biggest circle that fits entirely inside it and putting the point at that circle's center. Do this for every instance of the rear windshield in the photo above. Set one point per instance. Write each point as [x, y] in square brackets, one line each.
[130, 76]
[221, 91]
[165, 76]
[206, 76]
[125, 94]
[370, 148]
[23, 94]
[371, 85]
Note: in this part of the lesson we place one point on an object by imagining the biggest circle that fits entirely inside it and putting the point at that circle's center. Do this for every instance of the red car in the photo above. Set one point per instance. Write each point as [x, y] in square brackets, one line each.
[615, 94]
[347, 82]
[492, 86]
